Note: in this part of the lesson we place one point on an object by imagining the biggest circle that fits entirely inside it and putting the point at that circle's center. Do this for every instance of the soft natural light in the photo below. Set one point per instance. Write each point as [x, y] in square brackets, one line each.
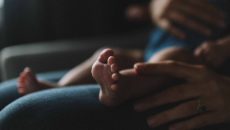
[1, 3]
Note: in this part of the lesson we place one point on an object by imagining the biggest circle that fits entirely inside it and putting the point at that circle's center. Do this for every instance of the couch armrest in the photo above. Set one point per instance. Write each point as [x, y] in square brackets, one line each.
[59, 55]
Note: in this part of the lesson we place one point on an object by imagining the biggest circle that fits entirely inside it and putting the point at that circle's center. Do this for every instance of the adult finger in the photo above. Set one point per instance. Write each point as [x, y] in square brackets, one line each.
[215, 20]
[172, 68]
[171, 95]
[168, 26]
[197, 122]
[189, 22]
[185, 110]
[194, 8]
[206, 6]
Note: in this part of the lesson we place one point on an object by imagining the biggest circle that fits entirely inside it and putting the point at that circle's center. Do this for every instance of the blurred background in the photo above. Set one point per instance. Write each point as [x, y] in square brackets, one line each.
[32, 30]
[37, 20]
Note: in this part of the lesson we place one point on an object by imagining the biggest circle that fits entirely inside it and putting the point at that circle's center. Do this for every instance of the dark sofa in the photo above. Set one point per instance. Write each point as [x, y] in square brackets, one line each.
[58, 33]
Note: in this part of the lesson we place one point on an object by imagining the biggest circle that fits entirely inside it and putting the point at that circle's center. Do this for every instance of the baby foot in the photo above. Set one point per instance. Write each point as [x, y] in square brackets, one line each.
[27, 82]
[119, 86]
[104, 72]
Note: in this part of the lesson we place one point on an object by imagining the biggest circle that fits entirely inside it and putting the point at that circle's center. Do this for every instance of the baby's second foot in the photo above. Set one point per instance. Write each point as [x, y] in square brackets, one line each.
[27, 82]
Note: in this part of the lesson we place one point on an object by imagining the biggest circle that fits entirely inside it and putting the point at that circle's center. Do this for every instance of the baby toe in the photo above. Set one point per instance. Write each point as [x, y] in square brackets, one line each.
[105, 54]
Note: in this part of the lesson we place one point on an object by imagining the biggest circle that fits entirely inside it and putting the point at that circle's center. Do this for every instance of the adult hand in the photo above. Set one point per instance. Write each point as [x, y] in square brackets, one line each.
[214, 53]
[186, 13]
[205, 94]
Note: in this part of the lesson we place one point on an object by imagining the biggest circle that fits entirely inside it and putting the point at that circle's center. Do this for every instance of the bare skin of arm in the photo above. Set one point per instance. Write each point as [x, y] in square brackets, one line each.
[174, 53]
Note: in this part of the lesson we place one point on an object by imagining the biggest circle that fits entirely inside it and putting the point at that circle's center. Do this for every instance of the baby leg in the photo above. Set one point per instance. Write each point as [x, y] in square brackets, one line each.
[176, 54]
[28, 82]
[81, 74]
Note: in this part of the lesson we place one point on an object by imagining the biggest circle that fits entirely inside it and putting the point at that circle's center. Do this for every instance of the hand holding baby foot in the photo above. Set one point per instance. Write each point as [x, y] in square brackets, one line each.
[119, 86]
[201, 100]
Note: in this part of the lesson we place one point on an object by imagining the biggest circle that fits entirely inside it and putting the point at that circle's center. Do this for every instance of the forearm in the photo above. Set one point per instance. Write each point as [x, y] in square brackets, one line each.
[175, 54]
[81, 74]
[172, 54]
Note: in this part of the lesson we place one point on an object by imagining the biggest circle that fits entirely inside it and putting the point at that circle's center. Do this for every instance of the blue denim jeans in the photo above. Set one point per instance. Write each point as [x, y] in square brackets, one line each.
[66, 108]
[69, 108]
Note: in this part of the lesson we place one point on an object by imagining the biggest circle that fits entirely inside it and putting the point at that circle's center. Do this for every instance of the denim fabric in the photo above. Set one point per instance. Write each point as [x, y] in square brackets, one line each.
[74, 108]
[8, 89]
[8, 93]
[68, 108]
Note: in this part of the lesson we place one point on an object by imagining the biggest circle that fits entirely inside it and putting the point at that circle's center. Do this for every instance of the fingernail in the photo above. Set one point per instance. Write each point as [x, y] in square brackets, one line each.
[115, 77]
[137, 67]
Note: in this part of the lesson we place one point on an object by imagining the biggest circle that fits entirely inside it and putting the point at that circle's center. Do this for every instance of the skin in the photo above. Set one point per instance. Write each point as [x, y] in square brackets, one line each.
[214, 53]
[193, 14]
[119, 85]
[81, 73]
[166, 12]
[159, 10]
[198, 80]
